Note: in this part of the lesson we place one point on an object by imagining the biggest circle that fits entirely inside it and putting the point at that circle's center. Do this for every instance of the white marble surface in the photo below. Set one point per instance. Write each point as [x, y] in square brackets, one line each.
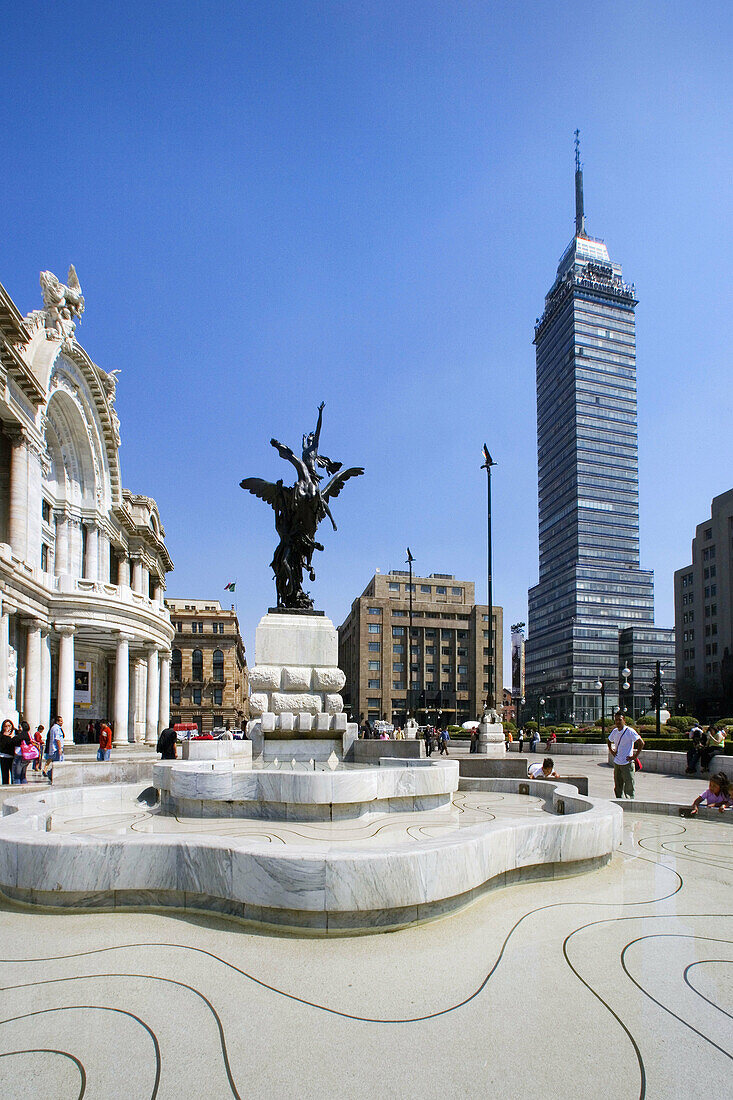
[296, 640]
[370, 886]
[217, 750]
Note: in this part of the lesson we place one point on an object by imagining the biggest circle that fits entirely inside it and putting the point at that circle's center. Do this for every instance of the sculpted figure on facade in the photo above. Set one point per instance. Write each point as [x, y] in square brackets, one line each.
[62, 302]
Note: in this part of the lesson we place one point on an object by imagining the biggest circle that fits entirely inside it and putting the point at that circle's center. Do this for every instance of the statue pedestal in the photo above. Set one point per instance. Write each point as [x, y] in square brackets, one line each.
[491, 735]
[296, 687]
[411, 729]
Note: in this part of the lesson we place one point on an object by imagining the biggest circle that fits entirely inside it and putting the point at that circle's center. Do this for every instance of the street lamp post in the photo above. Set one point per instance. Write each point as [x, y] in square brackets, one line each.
[539, 718]
[488, 463]
[410, 560]
[601, 686]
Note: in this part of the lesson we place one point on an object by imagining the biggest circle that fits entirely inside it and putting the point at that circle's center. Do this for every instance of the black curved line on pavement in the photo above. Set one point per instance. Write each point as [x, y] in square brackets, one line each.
[606, 1005]
[674, 936]
[93, 1008]
[62, 1053]
[694, 989]
[150, 977]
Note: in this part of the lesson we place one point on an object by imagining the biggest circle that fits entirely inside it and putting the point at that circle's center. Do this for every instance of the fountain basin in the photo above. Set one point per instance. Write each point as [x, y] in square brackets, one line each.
[299, 793]
[319, 877]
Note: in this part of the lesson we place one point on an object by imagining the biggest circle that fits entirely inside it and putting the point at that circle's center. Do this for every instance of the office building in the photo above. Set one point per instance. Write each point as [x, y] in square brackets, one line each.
[209, 684]
[439, 671]
[591, 585]
[703, 615]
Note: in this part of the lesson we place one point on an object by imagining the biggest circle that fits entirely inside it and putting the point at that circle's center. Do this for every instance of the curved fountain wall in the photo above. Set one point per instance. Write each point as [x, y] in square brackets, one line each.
[325, 888]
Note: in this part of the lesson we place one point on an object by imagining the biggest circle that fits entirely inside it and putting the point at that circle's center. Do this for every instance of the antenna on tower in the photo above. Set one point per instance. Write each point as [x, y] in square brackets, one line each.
[579, 212]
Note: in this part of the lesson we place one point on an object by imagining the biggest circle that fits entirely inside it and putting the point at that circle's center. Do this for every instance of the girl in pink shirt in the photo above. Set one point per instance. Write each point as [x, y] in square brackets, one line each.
[716, 795]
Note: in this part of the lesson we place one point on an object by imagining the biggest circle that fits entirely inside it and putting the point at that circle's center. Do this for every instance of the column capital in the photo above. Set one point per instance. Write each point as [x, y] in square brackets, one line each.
[66, 629]
[123, 636]
[32, 623]
[16, 434]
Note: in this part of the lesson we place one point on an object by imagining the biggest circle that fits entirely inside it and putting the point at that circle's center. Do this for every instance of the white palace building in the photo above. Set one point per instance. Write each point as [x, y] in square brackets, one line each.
[84, 632]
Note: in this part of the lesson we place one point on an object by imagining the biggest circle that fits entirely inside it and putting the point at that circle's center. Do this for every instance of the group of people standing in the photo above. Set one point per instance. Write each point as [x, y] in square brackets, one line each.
[435, 738]
[19, 748]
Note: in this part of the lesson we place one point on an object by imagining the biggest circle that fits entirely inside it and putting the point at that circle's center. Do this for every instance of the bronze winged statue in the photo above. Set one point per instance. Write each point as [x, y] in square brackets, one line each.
[299, 508]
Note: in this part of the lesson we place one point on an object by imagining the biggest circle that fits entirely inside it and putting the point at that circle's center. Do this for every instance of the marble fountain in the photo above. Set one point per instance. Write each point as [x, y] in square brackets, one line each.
[300, 845]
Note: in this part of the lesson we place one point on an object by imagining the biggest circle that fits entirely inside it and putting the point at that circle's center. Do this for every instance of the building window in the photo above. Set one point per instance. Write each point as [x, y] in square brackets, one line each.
[426, 588]
[393, 586]
[440, 590]
[217, 628]
[375, 628]
[217, 721]
[397, 685]
[197, 628]
[463, 670]
[398, 666]
[218, 696]
[176, 697]
[45, 511]
[374, 703]
[397, 631]
[374, 647]
[197, 697]
[708, 532]
[373, 684]
[374, 610]
[218, 665]
[398, 649]
[197, 665]
[176, 665]
[429, 649]
[374, 666]
[44, 558]
[397, 613]
[456, 591]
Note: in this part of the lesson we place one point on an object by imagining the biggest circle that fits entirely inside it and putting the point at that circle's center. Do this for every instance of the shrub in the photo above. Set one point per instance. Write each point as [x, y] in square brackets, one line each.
[681, 722]
[531, 725]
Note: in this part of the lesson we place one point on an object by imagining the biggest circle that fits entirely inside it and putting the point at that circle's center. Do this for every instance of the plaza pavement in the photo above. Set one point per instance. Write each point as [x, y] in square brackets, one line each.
[617, 983]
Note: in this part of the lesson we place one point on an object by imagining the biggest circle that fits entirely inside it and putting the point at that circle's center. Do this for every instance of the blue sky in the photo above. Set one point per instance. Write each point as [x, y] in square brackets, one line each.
[272, 204]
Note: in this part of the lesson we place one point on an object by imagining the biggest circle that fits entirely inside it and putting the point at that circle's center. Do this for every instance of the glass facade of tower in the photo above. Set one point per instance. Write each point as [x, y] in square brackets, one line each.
[590, 584]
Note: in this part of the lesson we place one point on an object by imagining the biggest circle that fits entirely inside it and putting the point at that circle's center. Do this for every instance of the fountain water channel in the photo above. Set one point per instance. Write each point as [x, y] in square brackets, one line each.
[303, 845]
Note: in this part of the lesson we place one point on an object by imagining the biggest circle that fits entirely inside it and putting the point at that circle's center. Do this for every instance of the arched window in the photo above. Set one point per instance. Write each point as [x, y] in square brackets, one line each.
[218, 665]
[176, 663]
[197, 665]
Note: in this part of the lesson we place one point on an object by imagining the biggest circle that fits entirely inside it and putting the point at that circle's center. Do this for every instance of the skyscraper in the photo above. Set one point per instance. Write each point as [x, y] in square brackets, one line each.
[590, 584]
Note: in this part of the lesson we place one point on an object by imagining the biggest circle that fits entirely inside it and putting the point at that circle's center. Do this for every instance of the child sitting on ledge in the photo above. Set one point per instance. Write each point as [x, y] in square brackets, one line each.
[716, 795]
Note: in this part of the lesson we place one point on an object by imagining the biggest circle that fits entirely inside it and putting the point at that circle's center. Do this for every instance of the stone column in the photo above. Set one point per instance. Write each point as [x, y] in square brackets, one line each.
[123, 571]
[138, 692]
[18, 512]
[137, 575]
[153, 697]
[158, 593]
[4, 655]
[45, 679]
[91, 565]
[164, 708]
[32, 678]
[65, 706]
[103, 559]
[61, 552]
[122, 689]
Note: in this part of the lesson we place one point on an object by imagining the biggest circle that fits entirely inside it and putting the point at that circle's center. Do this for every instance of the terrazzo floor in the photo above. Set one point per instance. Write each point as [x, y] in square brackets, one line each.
[617, 983]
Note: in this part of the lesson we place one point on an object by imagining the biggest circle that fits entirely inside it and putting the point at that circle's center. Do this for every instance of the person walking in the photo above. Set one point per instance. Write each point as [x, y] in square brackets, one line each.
[105, 742]
[38, 739]
[443, 738]
[520, 741]
[535, 741]
[474, 739]
[625, 746]
[24, 752]
[54, 747]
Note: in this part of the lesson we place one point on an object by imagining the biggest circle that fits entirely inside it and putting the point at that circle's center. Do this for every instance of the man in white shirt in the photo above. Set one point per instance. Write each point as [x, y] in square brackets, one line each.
[626, 745]
[545, 770]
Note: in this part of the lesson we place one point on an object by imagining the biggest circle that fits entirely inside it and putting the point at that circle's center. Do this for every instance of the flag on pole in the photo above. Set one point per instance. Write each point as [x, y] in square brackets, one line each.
[230, 587]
